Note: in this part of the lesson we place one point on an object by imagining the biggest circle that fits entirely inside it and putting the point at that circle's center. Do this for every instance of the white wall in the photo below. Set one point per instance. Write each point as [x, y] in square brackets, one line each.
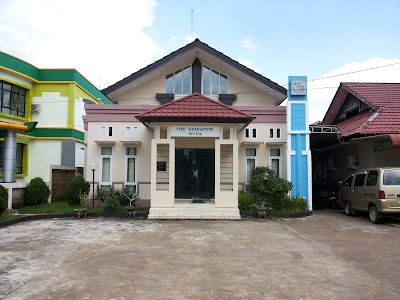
[14, 78]
[40, 160]
[54, 110]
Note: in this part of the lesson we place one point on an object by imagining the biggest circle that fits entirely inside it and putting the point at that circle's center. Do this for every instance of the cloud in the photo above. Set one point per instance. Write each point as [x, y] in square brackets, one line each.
[248, 43]
[249, 64]
[104, 41]
[321, 92]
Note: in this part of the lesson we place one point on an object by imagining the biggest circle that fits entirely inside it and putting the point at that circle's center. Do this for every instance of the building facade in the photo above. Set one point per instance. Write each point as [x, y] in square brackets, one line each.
[53, 99]
[186, 132]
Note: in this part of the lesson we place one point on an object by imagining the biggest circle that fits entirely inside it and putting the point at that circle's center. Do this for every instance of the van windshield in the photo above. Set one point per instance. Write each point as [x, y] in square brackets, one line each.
[391, 177]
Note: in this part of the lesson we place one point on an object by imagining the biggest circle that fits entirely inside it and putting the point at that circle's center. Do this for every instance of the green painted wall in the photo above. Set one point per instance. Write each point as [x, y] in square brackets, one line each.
[44, 75]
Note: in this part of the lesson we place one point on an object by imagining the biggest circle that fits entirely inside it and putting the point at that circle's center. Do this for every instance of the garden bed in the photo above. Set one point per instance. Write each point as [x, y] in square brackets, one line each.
[271, 215]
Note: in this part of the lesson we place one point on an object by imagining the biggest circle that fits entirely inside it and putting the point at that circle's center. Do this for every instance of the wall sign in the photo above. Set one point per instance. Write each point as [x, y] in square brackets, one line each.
[161, 166]
[298, 88]
[195, 131]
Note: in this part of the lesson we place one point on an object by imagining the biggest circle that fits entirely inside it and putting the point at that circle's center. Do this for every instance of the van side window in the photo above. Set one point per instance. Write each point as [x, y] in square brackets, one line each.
[359, 181]
[372, 178]
[391, 177]
[347, 182]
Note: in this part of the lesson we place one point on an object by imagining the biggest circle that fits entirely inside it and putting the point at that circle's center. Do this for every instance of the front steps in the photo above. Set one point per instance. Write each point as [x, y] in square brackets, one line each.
[194, 211]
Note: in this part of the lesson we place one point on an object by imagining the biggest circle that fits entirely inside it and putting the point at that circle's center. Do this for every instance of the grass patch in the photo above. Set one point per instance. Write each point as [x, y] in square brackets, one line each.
[48, 208]
[7, 216]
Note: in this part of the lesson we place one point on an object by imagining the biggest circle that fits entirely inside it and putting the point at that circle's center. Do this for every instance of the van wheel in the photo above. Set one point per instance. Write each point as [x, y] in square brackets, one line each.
[347, 209]
[374, 215]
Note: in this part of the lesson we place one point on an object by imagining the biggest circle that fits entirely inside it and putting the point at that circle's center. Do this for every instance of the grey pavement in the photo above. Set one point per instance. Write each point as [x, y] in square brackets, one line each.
[324, 256]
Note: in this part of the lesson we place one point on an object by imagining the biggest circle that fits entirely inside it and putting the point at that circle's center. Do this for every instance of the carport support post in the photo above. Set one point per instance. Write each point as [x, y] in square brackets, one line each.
[298, 139]
[10, 156]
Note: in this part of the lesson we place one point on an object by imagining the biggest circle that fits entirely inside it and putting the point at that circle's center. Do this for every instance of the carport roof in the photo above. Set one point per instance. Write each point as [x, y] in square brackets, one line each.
[382, 116]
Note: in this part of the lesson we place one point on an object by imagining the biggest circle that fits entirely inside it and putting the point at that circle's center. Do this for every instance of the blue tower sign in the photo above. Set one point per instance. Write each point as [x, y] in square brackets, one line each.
[298, 139]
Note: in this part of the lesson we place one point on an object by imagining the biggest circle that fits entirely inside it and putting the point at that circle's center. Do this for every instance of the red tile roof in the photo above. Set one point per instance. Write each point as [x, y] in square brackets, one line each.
[195, 107]
[382, 118]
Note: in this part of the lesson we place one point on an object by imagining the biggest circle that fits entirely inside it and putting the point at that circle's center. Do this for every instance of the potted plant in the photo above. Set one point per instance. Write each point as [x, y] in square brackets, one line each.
[263, 207]
[81, 211]
[130, 210]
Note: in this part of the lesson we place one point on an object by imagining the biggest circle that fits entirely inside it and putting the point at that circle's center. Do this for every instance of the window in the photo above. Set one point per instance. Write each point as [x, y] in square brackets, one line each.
[275, 160]
[250, 131]
[359, 181]
[277, 135]
[13, 99]
[251, 155]
[131, 131]
[391, 177]
[214, 82]
[179, 82]
[131, 167]
[347, 182]
[19, 158]
[106, 131]
[106, 167]
[372, 178]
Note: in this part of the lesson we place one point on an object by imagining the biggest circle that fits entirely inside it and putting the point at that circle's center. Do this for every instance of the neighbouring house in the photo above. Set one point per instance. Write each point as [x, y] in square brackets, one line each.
[362, 130]
[186, 132]
[53, 148]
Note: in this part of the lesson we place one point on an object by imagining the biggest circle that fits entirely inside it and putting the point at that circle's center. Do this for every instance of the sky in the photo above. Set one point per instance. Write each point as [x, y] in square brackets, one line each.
[109, 40]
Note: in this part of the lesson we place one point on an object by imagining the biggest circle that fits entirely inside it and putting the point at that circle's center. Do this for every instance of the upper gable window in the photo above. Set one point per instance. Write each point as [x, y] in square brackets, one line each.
[214, 82]
[179, 82]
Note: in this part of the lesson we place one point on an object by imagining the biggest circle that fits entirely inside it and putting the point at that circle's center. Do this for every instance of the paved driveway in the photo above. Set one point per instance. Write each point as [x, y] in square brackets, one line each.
[325, 256]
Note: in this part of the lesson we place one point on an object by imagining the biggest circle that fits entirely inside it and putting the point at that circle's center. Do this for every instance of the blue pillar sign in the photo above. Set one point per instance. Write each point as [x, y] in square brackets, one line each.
[298, 139]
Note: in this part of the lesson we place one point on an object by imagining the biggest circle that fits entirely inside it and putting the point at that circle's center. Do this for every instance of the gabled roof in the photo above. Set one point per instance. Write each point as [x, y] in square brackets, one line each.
[195, 108]
[383, 116]
[189, 47]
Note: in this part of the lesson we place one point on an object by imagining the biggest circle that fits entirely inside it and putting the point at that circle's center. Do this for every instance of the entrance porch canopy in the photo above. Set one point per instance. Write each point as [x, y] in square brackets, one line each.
[195, 108]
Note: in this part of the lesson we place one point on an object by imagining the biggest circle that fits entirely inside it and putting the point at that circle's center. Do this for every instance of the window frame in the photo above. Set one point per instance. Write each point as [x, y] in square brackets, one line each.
[14, 91]
[211, 71]
[249, 133]
[274, 157]
[127, 156]
[249, 157]
[133, 131]
[174, 77]
[106, 132]
[102, 156]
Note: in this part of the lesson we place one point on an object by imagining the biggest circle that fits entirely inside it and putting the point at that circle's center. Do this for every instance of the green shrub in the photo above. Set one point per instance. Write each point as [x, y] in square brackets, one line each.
[246, 202]
[299, 203]
[268, 189]
[3, 205]
[111, 204]
[103, 193]
[36, 192]
[76, 187]
[3, 192]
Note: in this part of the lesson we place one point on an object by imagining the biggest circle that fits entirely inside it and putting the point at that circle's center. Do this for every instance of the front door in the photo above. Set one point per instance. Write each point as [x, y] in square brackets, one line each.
[194, 173]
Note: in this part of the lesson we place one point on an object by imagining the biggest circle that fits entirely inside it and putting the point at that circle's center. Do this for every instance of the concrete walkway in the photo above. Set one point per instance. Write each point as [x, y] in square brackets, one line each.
[325, 256]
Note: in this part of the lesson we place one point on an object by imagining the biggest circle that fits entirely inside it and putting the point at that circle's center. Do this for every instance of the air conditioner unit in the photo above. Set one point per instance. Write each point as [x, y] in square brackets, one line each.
[35, 108]
[350, 161]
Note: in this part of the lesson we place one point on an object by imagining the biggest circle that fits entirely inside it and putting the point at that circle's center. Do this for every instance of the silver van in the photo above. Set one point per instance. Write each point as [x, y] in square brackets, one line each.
[374, 190]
